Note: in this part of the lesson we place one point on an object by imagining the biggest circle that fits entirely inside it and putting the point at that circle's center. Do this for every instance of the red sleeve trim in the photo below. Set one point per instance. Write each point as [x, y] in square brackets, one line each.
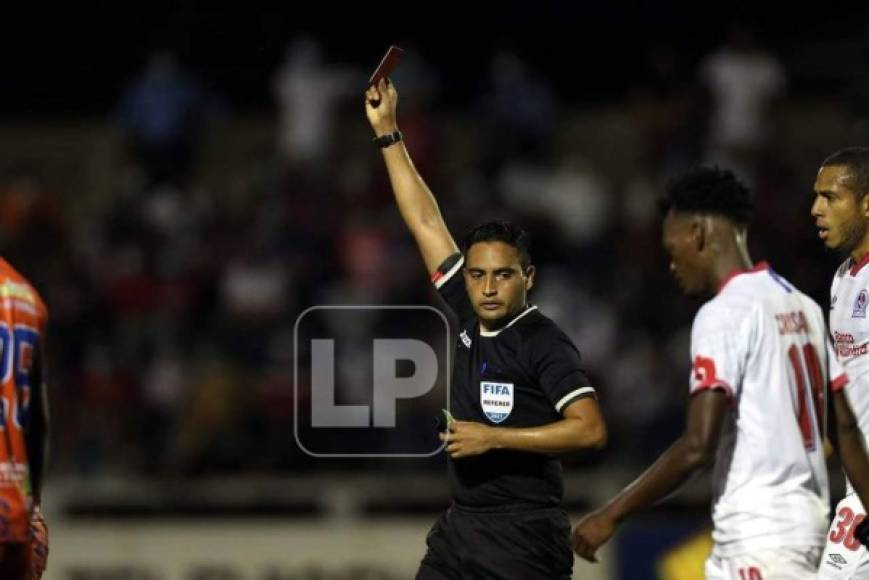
[717, 385]
[447, 270]
[839, 383]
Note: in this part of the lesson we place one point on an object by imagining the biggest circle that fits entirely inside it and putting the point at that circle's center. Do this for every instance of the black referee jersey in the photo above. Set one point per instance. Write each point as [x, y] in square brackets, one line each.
[522, 375]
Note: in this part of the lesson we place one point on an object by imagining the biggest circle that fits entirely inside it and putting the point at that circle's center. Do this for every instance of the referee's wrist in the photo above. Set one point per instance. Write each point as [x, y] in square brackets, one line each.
[496, 439]
[388, 140]
[385, 130]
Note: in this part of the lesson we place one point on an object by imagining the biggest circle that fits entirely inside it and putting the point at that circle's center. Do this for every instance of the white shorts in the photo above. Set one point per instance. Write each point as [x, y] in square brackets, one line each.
[765, 564]
[844, 557]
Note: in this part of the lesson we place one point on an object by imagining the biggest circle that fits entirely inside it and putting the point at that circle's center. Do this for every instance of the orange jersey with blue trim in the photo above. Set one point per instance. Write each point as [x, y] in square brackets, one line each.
[23, 318]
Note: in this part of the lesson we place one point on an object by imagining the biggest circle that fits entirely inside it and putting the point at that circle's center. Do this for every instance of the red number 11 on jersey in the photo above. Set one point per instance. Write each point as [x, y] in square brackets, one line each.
[808, 371]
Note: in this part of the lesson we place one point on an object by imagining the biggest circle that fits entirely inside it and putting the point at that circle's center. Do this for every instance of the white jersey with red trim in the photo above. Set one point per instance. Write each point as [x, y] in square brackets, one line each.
[849, 296]
[763, 343]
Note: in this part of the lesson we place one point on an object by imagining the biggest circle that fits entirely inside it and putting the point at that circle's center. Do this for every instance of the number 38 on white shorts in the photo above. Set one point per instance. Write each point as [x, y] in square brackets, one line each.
[844, 557]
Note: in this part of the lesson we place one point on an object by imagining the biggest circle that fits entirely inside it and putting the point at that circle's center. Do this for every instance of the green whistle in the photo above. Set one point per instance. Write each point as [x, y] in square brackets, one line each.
[449, 417]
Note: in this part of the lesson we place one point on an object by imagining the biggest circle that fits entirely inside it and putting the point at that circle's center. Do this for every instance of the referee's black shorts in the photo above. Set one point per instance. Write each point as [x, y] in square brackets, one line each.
[525, 545]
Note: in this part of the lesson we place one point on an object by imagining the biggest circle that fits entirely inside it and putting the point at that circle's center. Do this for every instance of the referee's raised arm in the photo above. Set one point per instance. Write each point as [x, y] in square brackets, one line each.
[417, 205]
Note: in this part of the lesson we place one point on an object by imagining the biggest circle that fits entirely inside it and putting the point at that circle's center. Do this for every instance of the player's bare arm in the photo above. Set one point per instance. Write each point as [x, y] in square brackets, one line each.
[852, 450]
[37, 452]
[583, 427]
[692, 451]
[417, 205]
[36, 434]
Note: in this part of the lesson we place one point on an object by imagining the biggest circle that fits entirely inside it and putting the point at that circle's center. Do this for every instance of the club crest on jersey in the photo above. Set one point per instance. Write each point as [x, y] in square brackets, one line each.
[860, 305]
[496, 400]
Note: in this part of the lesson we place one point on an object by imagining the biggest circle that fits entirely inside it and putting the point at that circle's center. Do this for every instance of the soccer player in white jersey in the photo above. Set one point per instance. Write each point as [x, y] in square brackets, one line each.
[841, 212]
[760, 363]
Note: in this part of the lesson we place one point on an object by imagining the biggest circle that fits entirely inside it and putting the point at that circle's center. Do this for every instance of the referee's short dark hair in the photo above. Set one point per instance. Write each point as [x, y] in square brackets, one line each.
[500, 231]
[710, 191]
[856, 159]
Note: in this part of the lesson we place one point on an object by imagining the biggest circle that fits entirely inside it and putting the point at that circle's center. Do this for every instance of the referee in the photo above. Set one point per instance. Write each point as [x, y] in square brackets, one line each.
[518, 391]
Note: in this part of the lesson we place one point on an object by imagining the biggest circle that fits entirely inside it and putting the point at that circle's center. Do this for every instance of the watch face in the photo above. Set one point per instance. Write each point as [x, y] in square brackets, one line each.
[388, 139]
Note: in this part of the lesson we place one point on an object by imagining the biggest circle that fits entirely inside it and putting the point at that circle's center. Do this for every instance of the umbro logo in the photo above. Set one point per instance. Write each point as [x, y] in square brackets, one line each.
[837, 559]
[466, 340]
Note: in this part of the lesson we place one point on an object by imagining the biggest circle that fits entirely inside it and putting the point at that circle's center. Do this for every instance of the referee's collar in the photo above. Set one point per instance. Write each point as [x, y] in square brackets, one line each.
[491, 333]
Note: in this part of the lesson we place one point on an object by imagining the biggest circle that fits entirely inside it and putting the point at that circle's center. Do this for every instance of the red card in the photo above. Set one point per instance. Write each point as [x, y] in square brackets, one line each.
[387, 65]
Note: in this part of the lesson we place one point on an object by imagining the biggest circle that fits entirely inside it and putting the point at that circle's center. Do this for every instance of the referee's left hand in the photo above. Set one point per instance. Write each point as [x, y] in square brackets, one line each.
[466, 438]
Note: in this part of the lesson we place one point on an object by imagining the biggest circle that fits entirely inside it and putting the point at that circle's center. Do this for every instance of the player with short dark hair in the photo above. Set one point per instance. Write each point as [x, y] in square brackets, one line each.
[709, 190]
[841, 212]
[856, 161]
[760, 363]
[518, 390]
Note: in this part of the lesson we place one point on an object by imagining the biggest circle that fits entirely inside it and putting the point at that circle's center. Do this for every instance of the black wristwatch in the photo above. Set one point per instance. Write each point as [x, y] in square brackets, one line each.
[388, 139]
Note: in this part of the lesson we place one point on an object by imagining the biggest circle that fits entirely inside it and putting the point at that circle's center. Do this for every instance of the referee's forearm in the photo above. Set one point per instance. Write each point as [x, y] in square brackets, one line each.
[560, 437]
[415, 200]
[418, 208]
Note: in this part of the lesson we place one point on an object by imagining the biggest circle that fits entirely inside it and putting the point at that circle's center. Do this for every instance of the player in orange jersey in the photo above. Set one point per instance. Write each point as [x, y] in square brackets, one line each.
[23, 427]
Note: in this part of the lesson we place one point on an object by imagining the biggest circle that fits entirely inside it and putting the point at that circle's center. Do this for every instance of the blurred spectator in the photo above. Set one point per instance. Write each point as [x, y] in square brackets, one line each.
[254, 287]
[31, 219]
[858, 93]
[164, 390]
[306, 91]
[665, 105]
[213, 437]
[163, 114]
[578, 200]
[518, 111]
[573, 197]
[744, 82]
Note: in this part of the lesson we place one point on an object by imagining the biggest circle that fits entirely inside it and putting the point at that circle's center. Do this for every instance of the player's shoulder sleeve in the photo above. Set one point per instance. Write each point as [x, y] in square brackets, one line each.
[556, 365]
[720, 338]
[14, 285]
[450, 284]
